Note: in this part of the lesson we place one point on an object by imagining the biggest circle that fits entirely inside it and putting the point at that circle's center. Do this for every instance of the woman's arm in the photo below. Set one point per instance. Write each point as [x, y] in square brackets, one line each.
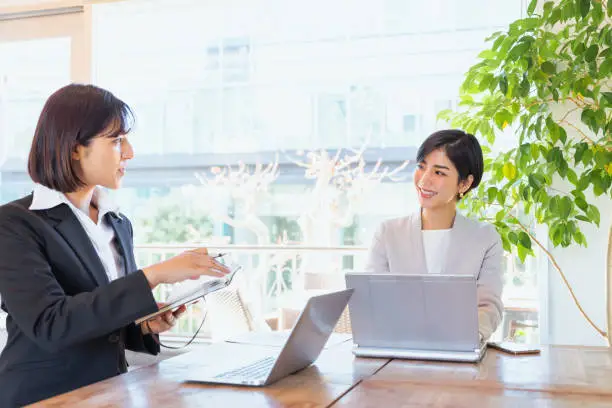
[377, 256]
[40, 307]
[490, 284]
[135, 339]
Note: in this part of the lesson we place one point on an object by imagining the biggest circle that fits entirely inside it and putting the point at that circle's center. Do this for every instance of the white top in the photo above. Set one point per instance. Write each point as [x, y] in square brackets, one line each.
[435, 245]
[101, 234]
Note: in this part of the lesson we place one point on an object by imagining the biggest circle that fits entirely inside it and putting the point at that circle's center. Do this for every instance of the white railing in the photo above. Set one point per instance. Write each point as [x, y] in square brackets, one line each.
[274, 274]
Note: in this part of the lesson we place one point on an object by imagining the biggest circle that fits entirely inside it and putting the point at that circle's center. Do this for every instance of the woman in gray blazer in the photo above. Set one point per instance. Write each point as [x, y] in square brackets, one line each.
[437, 239]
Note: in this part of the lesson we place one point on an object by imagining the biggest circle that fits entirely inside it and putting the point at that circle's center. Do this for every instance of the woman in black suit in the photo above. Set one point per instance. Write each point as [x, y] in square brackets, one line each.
[68, 278]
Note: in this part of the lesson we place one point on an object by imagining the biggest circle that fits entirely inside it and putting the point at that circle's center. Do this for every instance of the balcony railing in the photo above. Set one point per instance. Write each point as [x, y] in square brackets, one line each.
[275, 274]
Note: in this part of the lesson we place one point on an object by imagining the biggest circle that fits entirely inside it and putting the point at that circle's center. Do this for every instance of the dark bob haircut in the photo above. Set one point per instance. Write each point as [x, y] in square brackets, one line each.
[462, 149]
[73, 116]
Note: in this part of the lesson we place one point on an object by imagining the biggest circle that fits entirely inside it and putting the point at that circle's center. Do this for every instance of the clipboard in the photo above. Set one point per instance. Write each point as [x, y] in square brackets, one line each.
[192, 293]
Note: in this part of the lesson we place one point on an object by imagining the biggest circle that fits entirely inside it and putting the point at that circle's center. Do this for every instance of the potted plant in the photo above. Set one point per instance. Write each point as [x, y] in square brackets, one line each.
[547, 78]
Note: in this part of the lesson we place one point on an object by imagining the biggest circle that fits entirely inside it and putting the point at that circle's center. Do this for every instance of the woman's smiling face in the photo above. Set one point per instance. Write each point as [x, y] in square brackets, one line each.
[437, 180]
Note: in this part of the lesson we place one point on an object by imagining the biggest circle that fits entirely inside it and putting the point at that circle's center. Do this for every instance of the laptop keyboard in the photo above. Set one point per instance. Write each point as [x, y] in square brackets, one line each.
[253, 371]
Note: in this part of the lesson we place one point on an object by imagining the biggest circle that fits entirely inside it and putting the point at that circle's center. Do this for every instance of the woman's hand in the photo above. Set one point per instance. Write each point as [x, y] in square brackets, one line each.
[162, 322]
[188, 265]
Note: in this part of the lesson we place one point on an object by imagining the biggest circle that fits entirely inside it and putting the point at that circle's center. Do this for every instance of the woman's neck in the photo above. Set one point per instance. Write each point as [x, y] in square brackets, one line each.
[438, 218]
[81, 199]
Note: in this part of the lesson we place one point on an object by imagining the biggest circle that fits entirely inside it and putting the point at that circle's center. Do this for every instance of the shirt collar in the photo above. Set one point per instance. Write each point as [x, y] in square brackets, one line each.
[45, 198]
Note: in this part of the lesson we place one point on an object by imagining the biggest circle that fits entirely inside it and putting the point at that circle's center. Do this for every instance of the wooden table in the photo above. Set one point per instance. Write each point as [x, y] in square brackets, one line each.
[564, 370]
[161, 385]
[375, 394]
[563, 377]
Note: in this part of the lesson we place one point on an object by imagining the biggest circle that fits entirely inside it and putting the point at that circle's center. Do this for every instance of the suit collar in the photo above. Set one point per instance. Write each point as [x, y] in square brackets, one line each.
[44, 198]
[123, 239]
[68, 226]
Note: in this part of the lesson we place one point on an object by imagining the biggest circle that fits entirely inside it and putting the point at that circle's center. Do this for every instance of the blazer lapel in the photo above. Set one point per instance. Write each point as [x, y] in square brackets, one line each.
[417, 263]
[72, 231]
[123, 239]
[455, 246]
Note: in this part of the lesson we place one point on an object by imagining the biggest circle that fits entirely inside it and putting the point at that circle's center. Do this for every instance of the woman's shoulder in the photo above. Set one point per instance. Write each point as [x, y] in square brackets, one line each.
[402, 224]
[18, 208]
[477, 227]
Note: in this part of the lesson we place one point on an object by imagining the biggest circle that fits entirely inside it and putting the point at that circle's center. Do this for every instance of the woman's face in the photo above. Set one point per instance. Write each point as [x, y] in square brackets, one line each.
[437, 181]
[104, 161]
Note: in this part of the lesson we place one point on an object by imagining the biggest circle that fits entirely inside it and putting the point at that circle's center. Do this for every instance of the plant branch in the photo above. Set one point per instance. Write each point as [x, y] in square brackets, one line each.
[584, 136]
[563, 277]
[568, 113]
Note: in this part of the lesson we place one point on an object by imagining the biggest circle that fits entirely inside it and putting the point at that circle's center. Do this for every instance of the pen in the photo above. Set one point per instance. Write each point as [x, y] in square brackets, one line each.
[218, 256]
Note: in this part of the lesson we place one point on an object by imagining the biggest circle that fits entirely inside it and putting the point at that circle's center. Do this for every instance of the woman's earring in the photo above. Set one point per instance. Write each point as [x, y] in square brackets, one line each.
[460, 195]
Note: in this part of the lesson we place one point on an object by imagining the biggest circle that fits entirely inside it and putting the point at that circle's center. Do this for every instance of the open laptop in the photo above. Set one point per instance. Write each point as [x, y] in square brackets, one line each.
[302, 348]
[424, 317]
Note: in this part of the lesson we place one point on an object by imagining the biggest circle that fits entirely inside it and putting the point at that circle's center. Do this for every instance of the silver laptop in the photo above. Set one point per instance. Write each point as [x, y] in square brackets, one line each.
[425, 317]
[302, 348]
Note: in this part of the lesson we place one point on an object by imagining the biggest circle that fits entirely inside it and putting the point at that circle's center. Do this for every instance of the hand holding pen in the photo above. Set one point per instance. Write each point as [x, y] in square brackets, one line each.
[191, 264]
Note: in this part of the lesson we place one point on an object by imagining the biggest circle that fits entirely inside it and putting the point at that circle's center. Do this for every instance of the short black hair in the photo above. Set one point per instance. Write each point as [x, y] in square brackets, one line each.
[462, 149]
[73, 116]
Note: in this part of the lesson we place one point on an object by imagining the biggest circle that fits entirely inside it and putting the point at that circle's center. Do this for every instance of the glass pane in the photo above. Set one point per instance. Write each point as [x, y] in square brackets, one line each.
[29, 72]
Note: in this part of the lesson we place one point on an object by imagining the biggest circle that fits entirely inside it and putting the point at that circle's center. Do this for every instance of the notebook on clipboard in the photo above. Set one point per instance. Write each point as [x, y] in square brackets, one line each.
[190, 291]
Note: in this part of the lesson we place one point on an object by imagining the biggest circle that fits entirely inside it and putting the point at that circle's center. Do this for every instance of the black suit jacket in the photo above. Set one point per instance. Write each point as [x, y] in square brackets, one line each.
[68, 326]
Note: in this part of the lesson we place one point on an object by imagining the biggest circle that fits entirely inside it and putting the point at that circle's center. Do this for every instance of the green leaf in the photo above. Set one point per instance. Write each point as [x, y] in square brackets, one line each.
[500, 215]
[494, 35]
[580, 239]
[602, 158]
[524, 239]
[606, 98]
[505, 243]
[524, 86]
[589, 118]
[562, 134]
[503, 118]
[522, 253]
[553, 205]
[501, 197]
[591, 53]
[503, 84]
[518, 50]
[609, 8]
[513, 237]
[584, 6]
[536, 180]
[498, 42]
[487, 54]
[491, 194]
[531, 7]
[572, 177]
[581, 203]
[583, 182]
[548, 68]
[587, 157]
[583, 218]
[597, 14]
[547, 8]
[578, 48]
[606, 67]
[593, 214]
[565, 207]
[535, 151]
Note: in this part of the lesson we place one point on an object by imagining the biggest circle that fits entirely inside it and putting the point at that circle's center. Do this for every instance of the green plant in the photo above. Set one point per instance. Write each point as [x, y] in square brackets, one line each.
[174, 223]
[546, 79]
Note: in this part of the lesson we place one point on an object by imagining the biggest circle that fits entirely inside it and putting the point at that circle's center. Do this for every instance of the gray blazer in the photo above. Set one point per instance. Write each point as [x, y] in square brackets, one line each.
[474, 249]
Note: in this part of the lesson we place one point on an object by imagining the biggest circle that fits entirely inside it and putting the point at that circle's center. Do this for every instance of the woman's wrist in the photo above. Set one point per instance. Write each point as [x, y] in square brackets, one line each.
[152, 276]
